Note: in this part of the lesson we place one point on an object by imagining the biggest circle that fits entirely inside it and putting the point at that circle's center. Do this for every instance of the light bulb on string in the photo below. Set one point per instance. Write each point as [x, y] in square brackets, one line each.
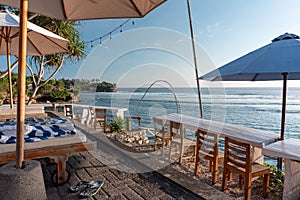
[100, 42]
[133, 23]
[92, 44]
[110, 38]
[121, 30]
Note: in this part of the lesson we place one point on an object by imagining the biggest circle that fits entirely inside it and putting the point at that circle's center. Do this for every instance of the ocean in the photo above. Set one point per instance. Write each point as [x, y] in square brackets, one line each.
[258, 108]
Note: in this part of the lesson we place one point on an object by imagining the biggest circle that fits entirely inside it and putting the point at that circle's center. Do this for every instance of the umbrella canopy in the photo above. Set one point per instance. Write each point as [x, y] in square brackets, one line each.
[39, 41]
[278, 60]
[70, 10]
[88, 9]
[265, 63]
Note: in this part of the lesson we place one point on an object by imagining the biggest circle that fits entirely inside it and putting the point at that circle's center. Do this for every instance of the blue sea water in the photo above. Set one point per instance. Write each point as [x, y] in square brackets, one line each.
[258, 108]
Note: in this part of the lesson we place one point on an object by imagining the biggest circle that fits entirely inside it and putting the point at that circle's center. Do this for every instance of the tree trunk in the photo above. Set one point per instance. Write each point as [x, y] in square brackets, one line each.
[33, 95]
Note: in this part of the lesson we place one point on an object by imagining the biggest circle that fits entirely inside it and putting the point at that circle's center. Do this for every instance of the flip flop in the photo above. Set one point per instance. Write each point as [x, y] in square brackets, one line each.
[79, 187]
[92, 188]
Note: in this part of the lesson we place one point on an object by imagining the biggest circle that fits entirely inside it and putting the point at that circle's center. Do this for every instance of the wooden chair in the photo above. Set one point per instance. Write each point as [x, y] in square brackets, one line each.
[207, 148]
[100, 119]
[68, 111]
[237, 159]
[160, 134]
[177, 138]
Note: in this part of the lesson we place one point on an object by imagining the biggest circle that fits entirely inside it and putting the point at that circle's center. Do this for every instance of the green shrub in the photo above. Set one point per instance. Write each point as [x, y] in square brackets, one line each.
[1, 97]
[117, 125]
[276, 180]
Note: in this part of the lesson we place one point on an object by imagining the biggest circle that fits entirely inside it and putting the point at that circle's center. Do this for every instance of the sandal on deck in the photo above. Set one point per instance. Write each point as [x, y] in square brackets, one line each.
[92, 188]
[79, 187]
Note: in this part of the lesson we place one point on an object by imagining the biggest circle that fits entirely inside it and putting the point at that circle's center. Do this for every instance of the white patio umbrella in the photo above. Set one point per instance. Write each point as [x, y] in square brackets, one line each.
[279, 60]
[67, 10]
[39, 41]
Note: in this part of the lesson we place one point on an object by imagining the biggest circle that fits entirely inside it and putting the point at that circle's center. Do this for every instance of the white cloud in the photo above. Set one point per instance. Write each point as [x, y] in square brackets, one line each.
[213, 28]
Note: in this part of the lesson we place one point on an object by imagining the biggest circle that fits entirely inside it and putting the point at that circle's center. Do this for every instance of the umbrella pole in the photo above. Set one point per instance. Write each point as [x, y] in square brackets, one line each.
[283, 111]
[21, 83]
[9, 73]
[195, 58]
[284, 76]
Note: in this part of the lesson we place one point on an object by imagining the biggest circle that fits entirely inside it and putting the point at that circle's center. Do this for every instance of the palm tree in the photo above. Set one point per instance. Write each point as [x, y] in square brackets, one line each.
[55, 62]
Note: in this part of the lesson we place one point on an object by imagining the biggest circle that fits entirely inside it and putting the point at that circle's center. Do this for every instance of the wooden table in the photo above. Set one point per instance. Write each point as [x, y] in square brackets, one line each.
[289, 149]
[256, 138]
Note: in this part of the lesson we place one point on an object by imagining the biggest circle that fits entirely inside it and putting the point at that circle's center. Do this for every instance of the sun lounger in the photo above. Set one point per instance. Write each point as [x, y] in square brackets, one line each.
[30, 111]
[57, 148]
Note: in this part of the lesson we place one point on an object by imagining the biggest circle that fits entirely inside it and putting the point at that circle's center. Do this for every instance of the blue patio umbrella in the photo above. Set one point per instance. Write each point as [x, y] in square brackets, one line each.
[279, 60]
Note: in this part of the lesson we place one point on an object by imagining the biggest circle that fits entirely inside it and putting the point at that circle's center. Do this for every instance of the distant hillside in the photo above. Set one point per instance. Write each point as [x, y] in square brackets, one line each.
[106, 87]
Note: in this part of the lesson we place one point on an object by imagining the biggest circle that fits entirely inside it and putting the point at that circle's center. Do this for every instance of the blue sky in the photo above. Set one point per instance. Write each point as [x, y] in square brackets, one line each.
[224, 31]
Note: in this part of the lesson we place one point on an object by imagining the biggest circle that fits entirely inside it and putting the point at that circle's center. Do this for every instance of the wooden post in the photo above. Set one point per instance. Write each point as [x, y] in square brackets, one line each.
[8, 67]
[283, 110]
[195, 59]
[284, 76]
[21, 83]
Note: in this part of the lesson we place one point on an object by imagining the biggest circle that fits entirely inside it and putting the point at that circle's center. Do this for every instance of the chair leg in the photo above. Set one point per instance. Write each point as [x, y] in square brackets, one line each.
[210, 166]
[197, 161]
[241, 180]
[197, 164]
[181, 150]
[229, 175]
[214, 171]
[247, 187]
[155, 143]
[225, 178]
[170, 152]
[266, 185]
[104, 126]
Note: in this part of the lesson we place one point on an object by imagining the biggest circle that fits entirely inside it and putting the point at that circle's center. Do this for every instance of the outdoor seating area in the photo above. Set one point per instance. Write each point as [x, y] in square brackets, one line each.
[247, 145]
[123, 100]
[205, 147]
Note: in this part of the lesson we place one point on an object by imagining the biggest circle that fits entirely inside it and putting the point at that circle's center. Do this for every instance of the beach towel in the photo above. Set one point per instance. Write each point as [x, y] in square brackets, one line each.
[37, 121]
[35, 133]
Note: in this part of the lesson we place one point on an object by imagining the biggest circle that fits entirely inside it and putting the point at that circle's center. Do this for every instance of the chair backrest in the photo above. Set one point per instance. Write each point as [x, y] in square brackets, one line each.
[68, 110]
[92, 112]
[100, 114]
[175, 129]
[238, 155]
[208, 142]
[158, 126]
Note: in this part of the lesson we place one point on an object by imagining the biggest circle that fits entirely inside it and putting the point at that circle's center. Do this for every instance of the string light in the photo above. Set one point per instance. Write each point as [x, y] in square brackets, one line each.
[108, 34]
[100, 41]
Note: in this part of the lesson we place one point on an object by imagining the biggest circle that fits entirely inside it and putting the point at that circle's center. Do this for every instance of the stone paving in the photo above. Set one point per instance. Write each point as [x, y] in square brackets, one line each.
[126, 175]
[117, 184]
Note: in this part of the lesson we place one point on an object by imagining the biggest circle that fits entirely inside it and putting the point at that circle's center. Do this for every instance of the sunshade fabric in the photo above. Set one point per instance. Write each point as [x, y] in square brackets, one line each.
[39, 40]
[88, 9]
[265, 63]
